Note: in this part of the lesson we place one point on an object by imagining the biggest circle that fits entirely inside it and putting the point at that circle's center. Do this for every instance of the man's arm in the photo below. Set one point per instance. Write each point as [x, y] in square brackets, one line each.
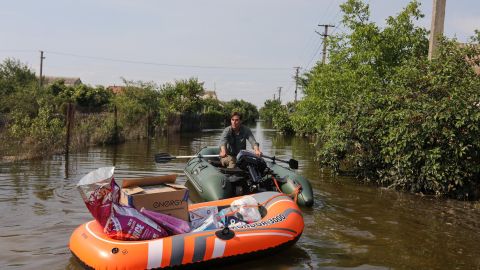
[253, 143]
[223, 142]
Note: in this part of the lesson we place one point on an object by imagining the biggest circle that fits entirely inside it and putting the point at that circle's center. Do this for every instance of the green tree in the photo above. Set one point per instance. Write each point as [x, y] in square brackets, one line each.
[137, 101]
[387, 113]
[183, 96]
[91, 97]
[476, 37]
[17, 83]
[278, 115]
[248, 111]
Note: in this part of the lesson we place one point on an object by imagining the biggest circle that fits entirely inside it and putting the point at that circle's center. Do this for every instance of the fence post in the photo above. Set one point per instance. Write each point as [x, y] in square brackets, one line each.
[115, 135]
[70, 118]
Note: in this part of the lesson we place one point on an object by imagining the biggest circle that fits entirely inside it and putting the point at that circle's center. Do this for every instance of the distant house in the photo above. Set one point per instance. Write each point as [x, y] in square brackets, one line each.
[210, 94]
[116, 89]
[68, 81]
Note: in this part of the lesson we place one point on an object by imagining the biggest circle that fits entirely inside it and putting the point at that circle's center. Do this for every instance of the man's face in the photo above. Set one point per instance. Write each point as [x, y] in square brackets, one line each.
[235, 120]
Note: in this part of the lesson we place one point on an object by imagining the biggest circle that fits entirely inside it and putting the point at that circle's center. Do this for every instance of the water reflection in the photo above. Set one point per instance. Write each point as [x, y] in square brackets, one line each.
[350, 226]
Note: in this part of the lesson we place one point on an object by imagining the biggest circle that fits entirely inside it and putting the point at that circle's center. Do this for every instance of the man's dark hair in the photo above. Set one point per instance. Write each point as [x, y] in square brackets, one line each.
[236, 114]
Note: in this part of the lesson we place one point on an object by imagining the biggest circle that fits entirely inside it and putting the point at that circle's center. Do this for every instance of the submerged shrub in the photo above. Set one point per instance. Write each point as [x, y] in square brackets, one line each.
[395, 118]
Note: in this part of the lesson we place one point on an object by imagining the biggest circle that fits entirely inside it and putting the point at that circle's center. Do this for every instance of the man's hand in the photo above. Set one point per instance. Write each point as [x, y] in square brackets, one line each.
[258, 153]
[223, 152]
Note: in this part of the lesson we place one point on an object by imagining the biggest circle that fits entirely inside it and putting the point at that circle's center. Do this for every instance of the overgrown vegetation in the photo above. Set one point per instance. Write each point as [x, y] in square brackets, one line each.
[33, 118]
[382, 111]
[278, 115]
[247, 110]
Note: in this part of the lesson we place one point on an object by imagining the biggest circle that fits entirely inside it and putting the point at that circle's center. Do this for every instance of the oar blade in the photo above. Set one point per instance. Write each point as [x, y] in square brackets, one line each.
[293, 164]
[163, 158]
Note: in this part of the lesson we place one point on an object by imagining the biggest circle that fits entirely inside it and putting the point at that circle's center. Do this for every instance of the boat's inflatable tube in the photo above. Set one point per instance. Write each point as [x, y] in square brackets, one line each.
[212, 184]
[282, 225]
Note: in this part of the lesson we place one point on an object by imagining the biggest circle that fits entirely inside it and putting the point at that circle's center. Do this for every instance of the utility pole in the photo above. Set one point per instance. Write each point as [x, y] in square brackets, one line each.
[279, 93]
[296, 82]
[325, 36]
[41, 67]
[436, 31]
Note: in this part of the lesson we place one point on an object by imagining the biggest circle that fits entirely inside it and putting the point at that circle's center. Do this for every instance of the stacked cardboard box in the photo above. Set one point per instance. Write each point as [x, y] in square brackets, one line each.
[159, 194]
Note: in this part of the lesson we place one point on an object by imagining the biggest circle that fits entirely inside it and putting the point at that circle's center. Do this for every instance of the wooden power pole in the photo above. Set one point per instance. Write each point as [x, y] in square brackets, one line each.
[436, 32]
[279, 93]
[296, 82]
[41, 67]
[325, 36]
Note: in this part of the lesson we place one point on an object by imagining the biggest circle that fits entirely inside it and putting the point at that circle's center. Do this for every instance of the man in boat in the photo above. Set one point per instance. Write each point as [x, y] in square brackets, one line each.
[234, 138]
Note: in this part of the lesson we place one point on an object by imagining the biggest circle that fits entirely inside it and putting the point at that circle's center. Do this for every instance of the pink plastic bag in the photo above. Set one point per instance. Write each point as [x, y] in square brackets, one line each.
[172, 224]
[96, 191]
[101, 195]
[126, 223]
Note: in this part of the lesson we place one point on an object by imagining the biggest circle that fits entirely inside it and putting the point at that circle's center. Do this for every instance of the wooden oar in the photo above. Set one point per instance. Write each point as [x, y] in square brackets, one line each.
[166, 157]
[292, 163]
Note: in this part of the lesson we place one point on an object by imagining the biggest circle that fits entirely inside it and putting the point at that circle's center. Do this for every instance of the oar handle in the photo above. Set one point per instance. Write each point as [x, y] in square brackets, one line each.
[165, 157]
[274, 158]
[292, 163]
[199, 156]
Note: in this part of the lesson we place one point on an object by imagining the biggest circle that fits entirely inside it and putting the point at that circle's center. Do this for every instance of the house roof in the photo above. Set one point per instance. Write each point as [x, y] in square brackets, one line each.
[116, 89]
[209, 94]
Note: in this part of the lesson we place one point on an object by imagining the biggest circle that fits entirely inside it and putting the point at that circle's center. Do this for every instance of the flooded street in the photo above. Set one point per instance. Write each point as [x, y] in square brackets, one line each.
[350, 226]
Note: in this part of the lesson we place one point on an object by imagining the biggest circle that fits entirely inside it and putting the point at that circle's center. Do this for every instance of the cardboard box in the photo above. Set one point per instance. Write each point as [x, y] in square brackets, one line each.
[158, 194]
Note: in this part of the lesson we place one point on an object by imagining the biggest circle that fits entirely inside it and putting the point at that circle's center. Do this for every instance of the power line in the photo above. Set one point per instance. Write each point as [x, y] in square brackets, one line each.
[328, 8]
[18, 51]
[304, 50]
[314, 56]
[164, 64]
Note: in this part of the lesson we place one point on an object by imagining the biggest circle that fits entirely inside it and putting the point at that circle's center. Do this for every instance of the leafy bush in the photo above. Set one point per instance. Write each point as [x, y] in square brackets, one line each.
[182, 96]
[391, 115]
[432, 143]
[248, 111]
[278, 115]
[91, 97]
[136, 102]
[96, 129]
[212, 119]
[17, 83]
[41, 134]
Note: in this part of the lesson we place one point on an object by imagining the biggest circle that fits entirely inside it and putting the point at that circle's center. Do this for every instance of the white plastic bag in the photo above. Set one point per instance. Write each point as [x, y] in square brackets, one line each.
[247, 207]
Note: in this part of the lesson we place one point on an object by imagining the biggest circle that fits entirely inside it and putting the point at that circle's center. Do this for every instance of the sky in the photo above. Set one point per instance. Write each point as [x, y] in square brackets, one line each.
[241, 49]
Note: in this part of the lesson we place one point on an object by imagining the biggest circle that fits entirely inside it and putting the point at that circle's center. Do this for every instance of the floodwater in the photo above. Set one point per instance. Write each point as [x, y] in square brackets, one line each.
[350, 226]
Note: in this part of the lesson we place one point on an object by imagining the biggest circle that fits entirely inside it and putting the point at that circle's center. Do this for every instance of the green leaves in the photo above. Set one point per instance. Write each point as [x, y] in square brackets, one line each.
[393, 116]
[278, 115]
[248, 111]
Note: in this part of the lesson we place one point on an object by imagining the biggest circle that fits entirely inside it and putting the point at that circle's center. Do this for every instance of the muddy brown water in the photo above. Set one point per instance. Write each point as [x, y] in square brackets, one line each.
[350, 226]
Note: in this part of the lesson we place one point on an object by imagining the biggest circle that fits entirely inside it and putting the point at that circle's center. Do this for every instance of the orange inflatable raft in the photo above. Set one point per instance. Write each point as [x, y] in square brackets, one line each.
[281, 225]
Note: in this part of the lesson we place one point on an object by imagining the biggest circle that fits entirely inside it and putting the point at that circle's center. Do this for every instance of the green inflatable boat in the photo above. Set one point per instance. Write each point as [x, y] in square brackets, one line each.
[252, 174]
